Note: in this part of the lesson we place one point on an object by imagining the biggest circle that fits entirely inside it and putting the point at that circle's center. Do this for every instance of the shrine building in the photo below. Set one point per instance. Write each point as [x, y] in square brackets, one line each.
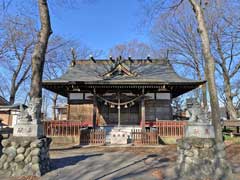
[120, 92]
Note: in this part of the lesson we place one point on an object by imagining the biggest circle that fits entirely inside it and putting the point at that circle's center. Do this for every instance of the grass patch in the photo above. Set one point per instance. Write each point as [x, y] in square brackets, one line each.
[233, 139]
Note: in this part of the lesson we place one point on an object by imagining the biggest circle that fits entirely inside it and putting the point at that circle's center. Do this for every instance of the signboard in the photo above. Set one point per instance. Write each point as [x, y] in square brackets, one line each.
[165, 96]
[200, 131]
[119, 137]
[28, 130]
[75, 96]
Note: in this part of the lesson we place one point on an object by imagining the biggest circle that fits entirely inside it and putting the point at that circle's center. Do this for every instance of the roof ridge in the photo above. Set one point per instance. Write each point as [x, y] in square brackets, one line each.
[134, 61]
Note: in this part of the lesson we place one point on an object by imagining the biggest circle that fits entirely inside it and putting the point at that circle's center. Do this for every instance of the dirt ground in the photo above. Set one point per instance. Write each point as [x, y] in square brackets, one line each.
[147, 163]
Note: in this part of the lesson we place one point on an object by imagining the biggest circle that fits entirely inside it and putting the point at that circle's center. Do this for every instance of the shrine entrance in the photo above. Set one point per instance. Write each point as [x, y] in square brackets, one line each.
[119, 109]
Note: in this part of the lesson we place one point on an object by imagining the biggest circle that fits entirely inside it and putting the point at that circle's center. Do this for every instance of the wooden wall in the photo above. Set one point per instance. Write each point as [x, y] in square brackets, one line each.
[158, 109]
[108, 115]
[154, 109]
[6, 117]
[80, 112]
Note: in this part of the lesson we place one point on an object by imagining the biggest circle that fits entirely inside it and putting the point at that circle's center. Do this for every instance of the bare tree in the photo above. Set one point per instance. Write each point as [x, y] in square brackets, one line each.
[209, 67]
[178, 35]
[38, 56]
[59, 57]
[17, 43]
[209, 62]
[225, 45]
[134, 48]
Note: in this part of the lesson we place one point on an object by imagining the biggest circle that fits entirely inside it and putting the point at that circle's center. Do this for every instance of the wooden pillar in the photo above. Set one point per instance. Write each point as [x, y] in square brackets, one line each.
[94, 109]
[143, 111]
[119, 110]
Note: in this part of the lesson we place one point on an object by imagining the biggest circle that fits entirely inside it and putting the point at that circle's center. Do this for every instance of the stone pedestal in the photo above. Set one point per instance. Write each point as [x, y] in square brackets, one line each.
[119, 136]
[23, 156]
[28, 130]
[201, 159]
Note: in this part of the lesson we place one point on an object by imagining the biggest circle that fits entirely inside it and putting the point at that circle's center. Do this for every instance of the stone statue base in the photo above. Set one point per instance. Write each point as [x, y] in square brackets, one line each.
[199, 130]
[202, 159]
[119, 136]
[28, 130]
[24, 156]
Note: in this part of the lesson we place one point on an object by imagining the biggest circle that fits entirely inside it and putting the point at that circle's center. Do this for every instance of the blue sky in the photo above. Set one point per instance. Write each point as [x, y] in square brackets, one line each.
[100, 24]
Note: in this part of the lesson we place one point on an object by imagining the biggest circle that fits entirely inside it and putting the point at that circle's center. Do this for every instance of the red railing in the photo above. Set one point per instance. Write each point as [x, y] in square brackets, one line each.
[166, 128]
[144, 137]
[63, 128]
[169, 128]
[92, 136]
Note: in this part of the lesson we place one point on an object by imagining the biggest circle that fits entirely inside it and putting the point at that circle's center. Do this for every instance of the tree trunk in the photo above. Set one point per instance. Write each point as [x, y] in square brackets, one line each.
[229, 99]
[54, 99]
[12, 94]
[204, 96]
[38, 59]
[204, 91]
[13, 89]
[209, 69]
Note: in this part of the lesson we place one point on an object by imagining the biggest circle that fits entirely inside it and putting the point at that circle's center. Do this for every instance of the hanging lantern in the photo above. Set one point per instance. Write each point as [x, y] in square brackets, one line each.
[125, 106]
[133, 103]
[112, 106]
[105, 103]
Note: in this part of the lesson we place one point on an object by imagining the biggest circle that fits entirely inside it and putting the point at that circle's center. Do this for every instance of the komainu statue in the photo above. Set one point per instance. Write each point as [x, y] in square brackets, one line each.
[33, 113]
[198, 114]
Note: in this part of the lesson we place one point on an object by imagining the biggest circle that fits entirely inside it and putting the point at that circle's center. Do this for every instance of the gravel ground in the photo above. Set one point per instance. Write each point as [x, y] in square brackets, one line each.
[128, 163]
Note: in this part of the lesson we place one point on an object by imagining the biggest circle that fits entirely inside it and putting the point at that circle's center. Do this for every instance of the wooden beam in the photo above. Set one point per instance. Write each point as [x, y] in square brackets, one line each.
[143, 112]
[94, 109]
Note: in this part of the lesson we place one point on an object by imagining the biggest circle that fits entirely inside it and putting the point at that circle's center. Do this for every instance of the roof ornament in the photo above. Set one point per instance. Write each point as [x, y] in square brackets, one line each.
[74, 57]
[92, 58]
[119, 59]
[167, 60]
[130, 59]
[149, 59]
[111, 58]
[119, 68]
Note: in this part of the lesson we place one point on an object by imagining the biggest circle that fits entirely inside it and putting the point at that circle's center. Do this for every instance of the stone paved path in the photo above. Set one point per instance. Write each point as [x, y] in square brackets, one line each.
[117, 163]
[102, 165]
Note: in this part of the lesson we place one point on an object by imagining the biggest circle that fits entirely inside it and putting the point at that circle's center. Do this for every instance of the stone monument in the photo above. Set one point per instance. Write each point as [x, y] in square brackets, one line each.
[199, 155]
[199, 124]
[27, 151]
[29, 124]
[119, 136]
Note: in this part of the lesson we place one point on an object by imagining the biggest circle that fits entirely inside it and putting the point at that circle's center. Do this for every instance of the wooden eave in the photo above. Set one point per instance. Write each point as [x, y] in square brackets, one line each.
[176, 89]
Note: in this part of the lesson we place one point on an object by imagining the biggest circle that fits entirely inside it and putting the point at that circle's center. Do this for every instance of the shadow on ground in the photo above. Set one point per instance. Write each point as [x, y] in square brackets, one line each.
[69, 161]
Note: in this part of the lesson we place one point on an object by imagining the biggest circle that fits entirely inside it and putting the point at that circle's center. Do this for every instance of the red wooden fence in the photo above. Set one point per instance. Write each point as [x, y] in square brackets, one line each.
[170, 128]
[92, 136]
[62, 128]
[166, 128]
[144, 137]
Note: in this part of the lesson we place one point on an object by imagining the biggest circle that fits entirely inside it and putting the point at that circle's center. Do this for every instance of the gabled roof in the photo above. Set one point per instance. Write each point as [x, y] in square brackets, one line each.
[88, 71]
[104, 72]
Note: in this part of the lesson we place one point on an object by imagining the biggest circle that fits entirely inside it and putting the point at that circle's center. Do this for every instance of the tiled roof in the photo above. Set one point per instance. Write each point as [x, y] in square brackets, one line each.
[124, 74]
[146, 72]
